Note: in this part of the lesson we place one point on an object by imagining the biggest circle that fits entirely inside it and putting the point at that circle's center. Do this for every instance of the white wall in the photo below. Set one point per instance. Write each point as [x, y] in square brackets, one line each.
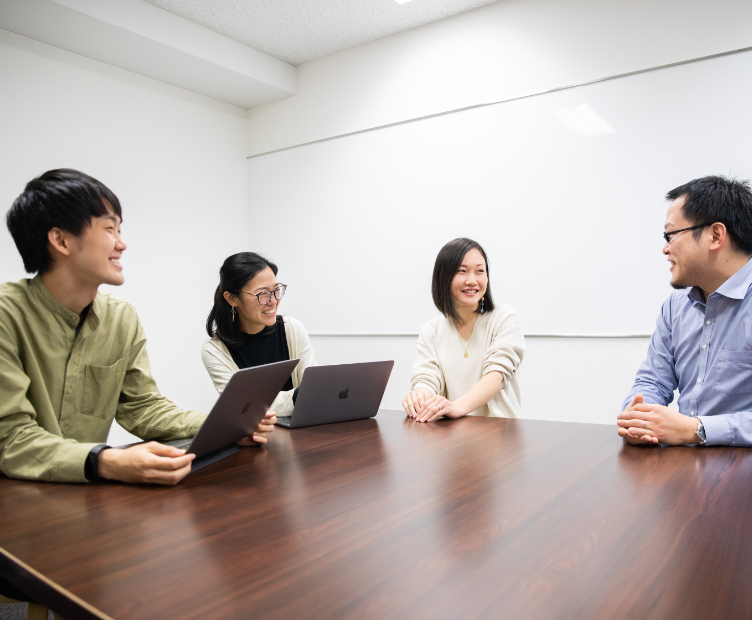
[561, 379]
[175, 159]
[505, 50]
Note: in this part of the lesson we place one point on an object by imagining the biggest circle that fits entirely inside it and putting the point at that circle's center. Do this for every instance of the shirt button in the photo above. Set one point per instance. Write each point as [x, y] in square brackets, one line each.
[708, 322]
[704, 346]
[70, 390]
[699, 380]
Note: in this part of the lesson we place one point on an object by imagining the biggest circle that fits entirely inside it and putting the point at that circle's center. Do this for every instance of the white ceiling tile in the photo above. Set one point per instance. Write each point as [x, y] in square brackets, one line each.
[298, 31]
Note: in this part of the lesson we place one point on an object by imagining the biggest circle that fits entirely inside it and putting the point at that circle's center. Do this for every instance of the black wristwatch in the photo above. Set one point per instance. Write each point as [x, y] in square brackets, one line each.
[700, 432]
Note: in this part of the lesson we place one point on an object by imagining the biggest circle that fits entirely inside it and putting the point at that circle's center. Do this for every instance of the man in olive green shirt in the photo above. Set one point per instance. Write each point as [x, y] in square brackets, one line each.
[72, 358]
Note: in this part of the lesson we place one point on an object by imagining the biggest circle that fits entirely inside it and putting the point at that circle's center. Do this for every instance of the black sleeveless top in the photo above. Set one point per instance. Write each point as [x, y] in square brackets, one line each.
[269, 345]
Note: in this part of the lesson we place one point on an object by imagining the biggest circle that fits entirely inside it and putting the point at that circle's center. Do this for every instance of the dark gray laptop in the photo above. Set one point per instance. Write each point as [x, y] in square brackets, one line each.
[240, 407]
[339, 393]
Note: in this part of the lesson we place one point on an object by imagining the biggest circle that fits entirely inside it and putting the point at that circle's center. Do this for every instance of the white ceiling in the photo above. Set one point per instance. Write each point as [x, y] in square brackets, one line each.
[298, 31]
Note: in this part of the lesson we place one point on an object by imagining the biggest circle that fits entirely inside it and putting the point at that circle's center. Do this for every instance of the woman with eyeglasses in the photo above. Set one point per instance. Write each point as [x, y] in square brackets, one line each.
[246, 330]
[468, 357]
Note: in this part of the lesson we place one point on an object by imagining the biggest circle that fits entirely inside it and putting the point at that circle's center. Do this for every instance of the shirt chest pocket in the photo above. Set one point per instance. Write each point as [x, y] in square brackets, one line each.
[733, 372]
[102, 385]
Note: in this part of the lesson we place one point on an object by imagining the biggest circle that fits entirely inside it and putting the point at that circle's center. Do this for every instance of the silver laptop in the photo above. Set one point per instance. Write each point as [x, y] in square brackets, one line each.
[237, 412]
[338, 393]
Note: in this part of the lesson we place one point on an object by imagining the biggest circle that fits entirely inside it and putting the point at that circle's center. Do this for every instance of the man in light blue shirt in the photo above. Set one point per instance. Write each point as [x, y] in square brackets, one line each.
[702, 343]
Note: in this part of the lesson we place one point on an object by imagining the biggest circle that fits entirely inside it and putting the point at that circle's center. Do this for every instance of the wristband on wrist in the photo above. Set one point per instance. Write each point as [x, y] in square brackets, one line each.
[91, 467]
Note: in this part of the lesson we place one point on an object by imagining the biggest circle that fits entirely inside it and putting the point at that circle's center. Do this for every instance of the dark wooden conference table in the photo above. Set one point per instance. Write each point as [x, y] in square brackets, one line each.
[390, 518]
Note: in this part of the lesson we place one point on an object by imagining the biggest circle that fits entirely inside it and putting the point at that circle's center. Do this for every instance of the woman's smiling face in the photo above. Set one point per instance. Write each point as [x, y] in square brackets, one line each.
[252, 315]
[470, 282]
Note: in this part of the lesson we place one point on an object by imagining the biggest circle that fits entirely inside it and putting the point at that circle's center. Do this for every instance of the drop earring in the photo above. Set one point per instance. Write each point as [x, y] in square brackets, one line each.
[482, 310]
[233, 314]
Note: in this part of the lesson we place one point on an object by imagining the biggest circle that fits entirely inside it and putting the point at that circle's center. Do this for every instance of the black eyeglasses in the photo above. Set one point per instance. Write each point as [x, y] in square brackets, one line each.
[265, 297]
[667, 235]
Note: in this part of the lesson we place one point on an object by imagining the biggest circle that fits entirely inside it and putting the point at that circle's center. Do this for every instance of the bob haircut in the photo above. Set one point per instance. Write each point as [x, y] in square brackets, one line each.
[445, 268]
[63, 198]
[235, 273]
[719, 199]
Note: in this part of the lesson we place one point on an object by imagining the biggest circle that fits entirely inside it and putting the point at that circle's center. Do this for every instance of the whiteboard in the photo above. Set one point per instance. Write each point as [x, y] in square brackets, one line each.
[564, 191]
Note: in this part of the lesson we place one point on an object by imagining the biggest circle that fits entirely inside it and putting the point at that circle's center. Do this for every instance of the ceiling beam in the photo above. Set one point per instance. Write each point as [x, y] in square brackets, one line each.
[148, 40]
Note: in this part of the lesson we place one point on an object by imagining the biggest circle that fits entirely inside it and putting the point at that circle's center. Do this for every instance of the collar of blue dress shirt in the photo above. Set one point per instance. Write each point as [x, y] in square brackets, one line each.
[735, 287]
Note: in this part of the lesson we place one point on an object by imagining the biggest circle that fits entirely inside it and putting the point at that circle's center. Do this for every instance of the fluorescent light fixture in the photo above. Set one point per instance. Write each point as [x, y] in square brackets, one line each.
[401, 1]
[584, 121]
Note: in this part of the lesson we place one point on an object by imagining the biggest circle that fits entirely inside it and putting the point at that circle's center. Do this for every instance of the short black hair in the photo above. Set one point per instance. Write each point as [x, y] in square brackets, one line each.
[63, 198]
[234, 274]
[447, 263]
[719, 199]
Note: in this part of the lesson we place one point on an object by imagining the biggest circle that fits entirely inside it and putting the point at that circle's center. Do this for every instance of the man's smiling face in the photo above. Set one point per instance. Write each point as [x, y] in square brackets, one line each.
[97, 251]
[683, 252]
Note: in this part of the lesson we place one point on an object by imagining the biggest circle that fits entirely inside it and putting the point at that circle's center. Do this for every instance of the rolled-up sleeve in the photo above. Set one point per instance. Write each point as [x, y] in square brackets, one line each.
[506, 347]
[427, 371]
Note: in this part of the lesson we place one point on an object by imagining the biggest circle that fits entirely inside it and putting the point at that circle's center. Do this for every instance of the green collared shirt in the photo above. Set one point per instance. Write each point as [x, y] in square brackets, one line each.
[60, 392]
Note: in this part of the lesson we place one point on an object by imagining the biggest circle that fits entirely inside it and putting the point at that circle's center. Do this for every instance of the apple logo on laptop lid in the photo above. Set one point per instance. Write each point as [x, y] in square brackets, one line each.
[343, 393]
[246, 408]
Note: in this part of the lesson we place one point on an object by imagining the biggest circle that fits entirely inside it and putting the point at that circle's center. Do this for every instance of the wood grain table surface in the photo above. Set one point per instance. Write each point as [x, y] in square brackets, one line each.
[390, 518]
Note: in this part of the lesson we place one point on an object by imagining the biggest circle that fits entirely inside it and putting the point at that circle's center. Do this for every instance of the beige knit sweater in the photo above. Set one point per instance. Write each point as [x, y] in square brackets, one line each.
[497, 344]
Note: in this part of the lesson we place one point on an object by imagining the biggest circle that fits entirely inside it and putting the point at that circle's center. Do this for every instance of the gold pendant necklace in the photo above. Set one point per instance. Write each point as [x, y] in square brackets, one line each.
[462, 343]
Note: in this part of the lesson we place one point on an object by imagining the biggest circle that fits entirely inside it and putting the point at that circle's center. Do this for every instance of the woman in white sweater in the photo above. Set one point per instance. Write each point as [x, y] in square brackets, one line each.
[246, 330]
[468, 357]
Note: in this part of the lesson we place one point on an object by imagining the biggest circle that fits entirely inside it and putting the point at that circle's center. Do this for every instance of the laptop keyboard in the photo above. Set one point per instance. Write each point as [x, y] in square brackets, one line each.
[284, 420]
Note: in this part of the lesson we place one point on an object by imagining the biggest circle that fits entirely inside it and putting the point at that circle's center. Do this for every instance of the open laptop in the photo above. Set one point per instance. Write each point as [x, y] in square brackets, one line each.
[237, 412]
[338, 393]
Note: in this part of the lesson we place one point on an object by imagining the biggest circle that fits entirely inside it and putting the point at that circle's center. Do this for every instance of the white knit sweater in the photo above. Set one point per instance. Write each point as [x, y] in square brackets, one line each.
[220, 365]
[497, 344]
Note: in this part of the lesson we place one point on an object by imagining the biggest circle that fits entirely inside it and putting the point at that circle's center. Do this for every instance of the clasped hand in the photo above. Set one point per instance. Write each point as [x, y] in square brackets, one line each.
[641, 423]
[423, 407]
